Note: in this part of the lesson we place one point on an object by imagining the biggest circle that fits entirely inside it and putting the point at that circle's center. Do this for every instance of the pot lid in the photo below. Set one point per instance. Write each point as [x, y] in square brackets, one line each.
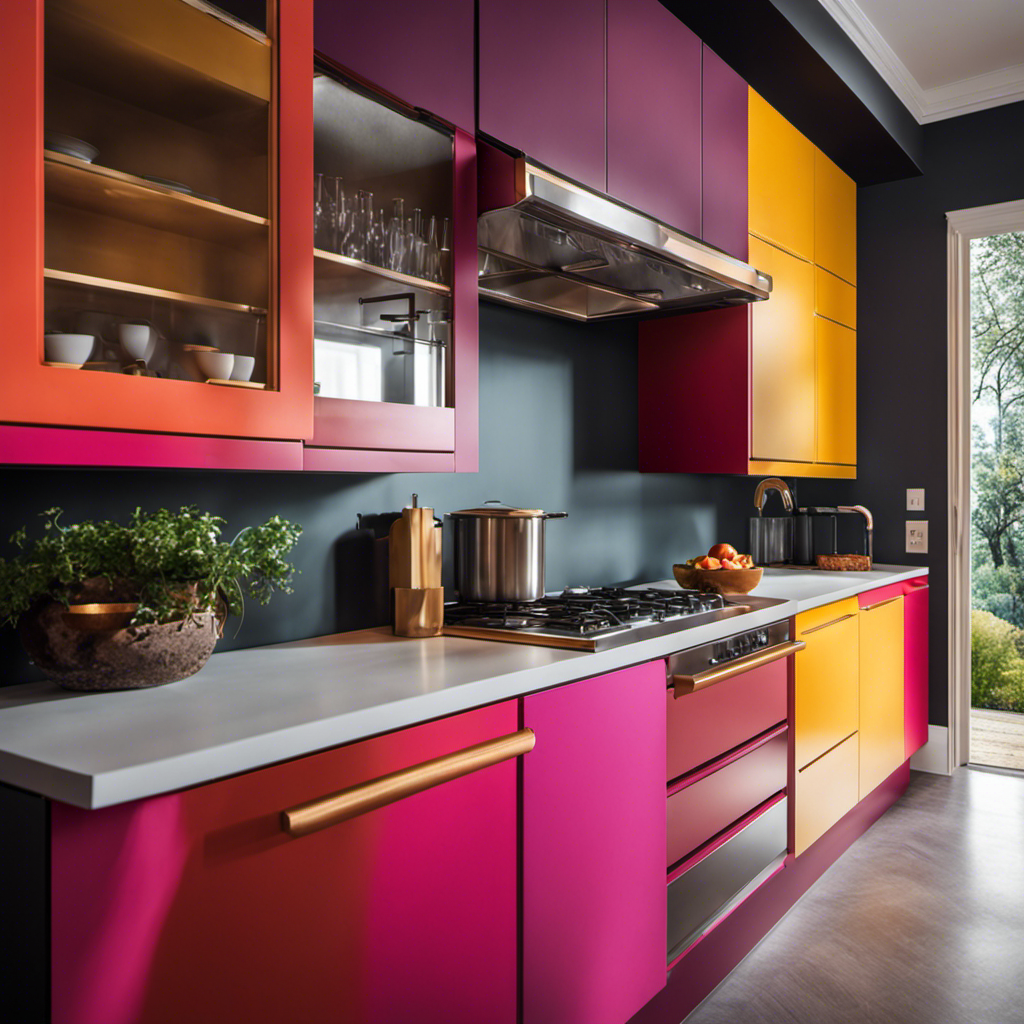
[499, 509]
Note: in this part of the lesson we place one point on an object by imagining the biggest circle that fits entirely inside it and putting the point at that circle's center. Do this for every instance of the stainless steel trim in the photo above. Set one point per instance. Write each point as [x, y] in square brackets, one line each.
[683, 684]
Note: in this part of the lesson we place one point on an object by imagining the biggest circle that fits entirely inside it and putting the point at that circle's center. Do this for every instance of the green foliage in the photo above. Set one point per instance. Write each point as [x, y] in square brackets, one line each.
[997, 667]
[174, 563]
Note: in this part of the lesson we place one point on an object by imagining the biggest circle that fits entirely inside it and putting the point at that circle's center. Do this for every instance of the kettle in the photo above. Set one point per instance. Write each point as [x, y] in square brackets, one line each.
[414, 572]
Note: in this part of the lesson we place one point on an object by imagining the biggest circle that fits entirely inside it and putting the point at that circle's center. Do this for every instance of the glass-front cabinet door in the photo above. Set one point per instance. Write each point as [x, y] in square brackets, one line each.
[152, 157]
[384, 306]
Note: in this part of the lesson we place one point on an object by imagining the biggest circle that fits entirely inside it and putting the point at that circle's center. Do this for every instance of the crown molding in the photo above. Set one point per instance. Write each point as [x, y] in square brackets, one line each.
[979, 93]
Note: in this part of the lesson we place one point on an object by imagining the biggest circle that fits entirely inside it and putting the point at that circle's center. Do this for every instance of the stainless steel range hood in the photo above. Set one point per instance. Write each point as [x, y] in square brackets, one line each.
[551, 245]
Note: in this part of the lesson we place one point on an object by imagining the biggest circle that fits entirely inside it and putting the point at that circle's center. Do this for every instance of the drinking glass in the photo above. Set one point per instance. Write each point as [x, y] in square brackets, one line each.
[396, 236]
[431, 254]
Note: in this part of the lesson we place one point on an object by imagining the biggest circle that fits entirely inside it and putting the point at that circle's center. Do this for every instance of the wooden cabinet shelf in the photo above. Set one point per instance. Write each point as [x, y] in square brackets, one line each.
[156, 293]
[124, 196]
[165, 55]
[332, 265]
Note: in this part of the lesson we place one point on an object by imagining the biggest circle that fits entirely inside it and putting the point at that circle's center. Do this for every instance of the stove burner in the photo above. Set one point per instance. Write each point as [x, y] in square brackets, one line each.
[575, 591]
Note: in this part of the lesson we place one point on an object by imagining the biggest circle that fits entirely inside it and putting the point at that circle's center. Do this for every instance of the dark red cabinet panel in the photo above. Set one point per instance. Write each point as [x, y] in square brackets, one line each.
[542, 82]
[593, 842]
[420, 52]
[724, 156]
[915, 664]
[654, 113]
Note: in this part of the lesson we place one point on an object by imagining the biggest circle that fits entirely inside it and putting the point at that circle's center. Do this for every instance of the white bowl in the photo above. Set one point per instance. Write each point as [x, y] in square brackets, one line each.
[215, 365]
[68, 348]
[244, 365]
[137, 340]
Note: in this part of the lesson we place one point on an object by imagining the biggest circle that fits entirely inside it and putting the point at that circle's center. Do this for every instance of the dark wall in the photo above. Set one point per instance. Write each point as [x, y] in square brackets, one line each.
[972, 160]
[558, 431]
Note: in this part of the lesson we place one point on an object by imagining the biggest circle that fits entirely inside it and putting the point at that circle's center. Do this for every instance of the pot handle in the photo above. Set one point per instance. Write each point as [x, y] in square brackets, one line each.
[555, 515]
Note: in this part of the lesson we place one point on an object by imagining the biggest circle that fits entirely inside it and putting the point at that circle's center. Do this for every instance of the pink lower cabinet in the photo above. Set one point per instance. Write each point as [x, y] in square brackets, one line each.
[593, 820]
[197, 906]
[915, 658]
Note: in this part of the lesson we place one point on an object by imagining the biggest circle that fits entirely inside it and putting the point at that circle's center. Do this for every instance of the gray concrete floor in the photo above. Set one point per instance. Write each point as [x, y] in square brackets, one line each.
[997, 738]
[921, 921]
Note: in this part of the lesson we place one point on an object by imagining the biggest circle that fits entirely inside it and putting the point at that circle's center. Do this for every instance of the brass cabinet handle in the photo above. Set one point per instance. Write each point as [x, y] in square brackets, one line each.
[831, 622]
[682, 685]
[881, 604]
[325, 811]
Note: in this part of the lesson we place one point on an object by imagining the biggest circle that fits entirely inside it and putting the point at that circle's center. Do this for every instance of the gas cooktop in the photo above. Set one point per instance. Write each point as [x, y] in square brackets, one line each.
[594, 618]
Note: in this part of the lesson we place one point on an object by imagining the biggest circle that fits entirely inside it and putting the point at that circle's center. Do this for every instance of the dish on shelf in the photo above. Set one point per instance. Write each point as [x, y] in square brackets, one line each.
[237, 383]
[60, 347]
[70, 146]
[244, 365]
[206, 199]
[200, 348]
[177, 186]
[215, 365]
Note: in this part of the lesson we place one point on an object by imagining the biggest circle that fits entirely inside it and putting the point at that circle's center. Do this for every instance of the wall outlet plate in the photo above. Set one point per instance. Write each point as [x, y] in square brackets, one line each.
[917, 536]
[915, 499]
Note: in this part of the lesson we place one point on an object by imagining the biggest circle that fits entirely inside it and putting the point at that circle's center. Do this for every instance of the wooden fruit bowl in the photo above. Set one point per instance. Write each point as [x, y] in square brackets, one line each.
[721, 581]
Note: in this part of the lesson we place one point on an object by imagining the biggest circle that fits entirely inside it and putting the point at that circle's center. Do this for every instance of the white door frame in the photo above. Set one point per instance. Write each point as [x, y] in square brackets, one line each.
[963, 225]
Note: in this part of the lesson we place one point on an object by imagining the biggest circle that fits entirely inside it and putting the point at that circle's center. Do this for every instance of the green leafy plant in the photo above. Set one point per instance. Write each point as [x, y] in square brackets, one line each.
[175, 564]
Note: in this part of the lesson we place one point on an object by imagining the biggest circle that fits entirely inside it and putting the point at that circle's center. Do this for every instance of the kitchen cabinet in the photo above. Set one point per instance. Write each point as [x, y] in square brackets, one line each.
[835, 379]
[197, 906]
[411, 50]
[593, 848]
[538, 94]
[826, 719]
[723, 156]
[781, 181]
[158, 89]
[915, 664]
[835, 219]
[834, 298]
[881, 687]
[654, 113]
[395, 333]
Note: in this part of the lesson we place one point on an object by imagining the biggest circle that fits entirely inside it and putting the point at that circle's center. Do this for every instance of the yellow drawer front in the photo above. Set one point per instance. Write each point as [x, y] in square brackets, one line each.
[783, 392]
[781, 181]
[827, 679]
[834, 298]
[823, 792]
[836, 384]
[881, 692]
[835, 219]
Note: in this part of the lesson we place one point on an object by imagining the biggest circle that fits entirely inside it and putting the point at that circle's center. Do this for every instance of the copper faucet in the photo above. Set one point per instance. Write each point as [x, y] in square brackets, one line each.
[773, 483]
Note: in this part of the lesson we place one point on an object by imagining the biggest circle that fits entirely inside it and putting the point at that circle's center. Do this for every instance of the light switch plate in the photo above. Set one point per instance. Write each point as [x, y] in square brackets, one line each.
[917, 536]
[915, 499]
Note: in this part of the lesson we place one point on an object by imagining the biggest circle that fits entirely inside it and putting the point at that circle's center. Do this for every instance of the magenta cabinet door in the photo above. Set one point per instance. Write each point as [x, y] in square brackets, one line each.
[654, 113]
[196, 906]
[593, 883]
[724, 156]
[419, 52]
[915, 661]
[541, 82]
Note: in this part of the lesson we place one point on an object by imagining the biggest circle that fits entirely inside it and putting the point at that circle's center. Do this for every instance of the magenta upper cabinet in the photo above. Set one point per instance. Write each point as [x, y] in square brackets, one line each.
[915, 664]
[593, 847]
[196, 906]
[419, 52]
[724, 156]
[654, 113]
[542, 82]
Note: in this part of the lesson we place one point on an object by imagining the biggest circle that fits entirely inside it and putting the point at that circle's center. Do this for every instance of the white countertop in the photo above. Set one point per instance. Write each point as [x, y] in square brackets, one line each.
[247, 709]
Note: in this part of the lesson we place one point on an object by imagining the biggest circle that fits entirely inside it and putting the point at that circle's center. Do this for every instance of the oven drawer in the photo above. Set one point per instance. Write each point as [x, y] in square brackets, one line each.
[709, 801]
[702, 894]
[710, 722]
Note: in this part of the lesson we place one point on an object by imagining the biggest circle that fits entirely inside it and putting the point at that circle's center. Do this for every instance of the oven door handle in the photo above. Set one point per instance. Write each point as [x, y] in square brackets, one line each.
[682, 685]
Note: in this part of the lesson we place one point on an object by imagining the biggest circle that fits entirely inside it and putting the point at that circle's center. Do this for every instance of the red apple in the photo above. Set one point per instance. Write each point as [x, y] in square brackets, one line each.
[722, 551]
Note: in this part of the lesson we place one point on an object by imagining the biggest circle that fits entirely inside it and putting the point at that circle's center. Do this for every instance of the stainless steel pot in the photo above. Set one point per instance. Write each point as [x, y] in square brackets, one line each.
[499, 552]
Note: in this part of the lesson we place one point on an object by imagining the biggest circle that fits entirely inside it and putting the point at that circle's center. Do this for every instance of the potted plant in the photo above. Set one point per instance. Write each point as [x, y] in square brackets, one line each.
[100, 605]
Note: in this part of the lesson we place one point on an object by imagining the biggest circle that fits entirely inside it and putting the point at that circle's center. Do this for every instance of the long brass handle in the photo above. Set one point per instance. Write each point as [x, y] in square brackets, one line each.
[831, 622]
[881, 604]
[329, 810]
[682, 685]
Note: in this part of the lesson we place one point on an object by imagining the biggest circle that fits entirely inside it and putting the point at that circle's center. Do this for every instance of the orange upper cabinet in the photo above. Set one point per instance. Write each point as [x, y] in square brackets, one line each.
[835, 219]
[783, 358]
[780, 180]
[834, 298]
[836, 386]
[154, 194]
[881, 689]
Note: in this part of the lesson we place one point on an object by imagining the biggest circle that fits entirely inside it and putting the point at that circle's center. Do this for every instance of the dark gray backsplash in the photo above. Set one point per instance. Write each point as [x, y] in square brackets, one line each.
[558, 404]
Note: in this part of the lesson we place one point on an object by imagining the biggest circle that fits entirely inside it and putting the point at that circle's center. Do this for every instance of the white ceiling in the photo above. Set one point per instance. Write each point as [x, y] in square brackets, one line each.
[941, 57]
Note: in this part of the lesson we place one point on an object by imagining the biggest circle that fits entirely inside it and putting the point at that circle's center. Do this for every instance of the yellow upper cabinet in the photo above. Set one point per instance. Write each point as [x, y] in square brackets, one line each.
[836, 382]
[783, 375]
[835, 219]
[781, 181]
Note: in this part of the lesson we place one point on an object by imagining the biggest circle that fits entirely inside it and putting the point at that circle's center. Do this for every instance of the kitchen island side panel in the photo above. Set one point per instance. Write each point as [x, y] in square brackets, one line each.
[594, 915]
